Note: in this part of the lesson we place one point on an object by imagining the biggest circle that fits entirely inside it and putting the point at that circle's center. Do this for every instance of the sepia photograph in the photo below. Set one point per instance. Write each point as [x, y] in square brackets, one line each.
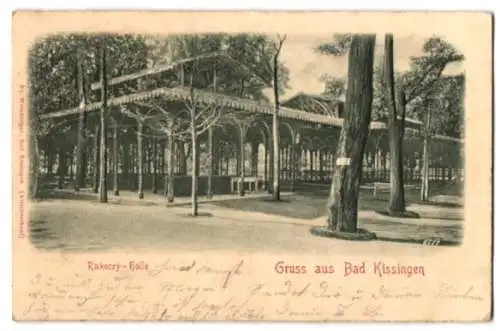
[290, 155]
[147, 132]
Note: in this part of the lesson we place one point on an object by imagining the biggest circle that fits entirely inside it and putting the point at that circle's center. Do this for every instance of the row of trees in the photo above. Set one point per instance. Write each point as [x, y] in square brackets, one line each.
[421, 91]
[63, 67]
[246, 65]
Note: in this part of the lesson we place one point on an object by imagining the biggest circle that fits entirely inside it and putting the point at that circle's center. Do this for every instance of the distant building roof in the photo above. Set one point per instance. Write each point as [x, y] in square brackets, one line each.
[318, 104]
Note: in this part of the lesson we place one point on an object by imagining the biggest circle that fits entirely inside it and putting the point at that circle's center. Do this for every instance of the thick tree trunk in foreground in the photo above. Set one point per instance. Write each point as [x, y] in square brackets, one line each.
[342, 204]
[395, 131]
[424, 190]
[103, 188]
[396, 134]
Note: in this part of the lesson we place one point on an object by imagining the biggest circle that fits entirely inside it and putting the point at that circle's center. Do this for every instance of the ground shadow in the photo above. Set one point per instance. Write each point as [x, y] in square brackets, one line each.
[398, 214]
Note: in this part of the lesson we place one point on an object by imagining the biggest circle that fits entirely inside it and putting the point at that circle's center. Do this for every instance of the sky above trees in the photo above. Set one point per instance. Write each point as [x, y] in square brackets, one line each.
[307, 66]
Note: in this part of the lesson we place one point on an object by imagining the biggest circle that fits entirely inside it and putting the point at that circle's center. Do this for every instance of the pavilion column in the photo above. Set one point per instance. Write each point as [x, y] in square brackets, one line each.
[170, 169]
[116, 153]
[321, 164]
[162, 158]
[96, 153]
[126, 160]
[237, 153]
[61, 167]
[154, 159]
[217, 159]
[181, 160]
[242, 131]
[140, 161]
[255, 158]
[50, 160]
[210, 162]
[303, 162]
[270, 165]
[329, 165]
[147, 157]
[71, 164]
[266, 151]
[284, 164]
[290, 165]
[311, 165]
[295, 159]
[291, 162]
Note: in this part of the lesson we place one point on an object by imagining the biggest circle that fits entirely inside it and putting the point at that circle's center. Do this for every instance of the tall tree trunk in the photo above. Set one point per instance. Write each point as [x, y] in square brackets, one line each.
[276, 139]
[116, 157]
[194, 168]
[395, 131]
[170, 169]
[270, 166]
[155, 165]
[96, 156]
[321, 170]
[140, 160]
[342, 204]
[81, 123]
[276, 134]
[424, 190]
[242, 160]
[210, 162]
[103, 188]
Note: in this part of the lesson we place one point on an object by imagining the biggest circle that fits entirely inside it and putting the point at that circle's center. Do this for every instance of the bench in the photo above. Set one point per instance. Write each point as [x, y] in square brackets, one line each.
[254, 184]
[384, 186]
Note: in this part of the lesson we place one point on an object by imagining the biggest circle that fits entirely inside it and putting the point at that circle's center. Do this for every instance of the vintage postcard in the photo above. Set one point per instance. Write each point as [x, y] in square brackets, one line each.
[242, 166]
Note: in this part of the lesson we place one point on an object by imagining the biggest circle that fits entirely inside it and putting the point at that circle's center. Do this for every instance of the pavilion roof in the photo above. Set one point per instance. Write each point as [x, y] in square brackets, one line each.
[182, 94]
[321, 104]
[210, 98]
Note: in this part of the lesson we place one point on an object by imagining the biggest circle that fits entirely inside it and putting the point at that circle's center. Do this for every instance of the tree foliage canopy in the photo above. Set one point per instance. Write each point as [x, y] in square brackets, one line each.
[245, 71]
[425, 86]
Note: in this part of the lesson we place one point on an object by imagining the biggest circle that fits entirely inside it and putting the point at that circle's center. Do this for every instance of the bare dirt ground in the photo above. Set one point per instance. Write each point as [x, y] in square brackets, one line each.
[248, 225]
